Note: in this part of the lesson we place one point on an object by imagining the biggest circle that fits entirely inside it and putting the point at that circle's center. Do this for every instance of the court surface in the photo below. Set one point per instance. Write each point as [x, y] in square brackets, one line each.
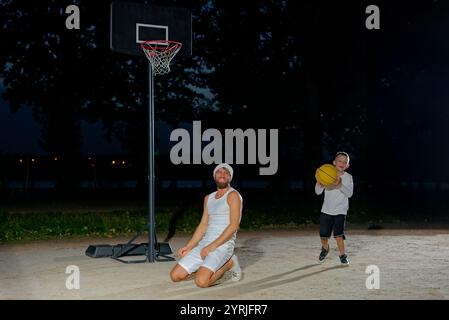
[413, 264]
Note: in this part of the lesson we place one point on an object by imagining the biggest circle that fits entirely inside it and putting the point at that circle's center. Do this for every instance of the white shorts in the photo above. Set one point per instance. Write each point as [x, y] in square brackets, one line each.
[192, 261]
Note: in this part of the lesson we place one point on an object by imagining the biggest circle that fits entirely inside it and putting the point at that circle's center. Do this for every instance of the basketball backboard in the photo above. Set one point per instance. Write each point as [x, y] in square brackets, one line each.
[134, 23]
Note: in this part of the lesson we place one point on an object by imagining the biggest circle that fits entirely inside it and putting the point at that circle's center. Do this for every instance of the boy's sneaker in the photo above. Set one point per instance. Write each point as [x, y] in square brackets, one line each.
[323, 253]
[236, 271]
[344, 259]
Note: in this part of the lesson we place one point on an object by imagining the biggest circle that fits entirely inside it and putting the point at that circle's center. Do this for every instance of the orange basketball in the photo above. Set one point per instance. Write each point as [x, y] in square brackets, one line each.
[326, 174]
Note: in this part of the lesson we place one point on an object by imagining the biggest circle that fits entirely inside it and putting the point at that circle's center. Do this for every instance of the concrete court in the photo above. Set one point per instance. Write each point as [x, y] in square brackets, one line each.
[413, 264]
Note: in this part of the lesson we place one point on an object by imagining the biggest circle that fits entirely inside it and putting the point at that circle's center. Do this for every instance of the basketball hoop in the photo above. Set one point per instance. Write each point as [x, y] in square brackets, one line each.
[160, 53]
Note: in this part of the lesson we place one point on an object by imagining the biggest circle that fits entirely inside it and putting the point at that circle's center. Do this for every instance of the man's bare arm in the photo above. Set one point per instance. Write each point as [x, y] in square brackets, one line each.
[201, 228]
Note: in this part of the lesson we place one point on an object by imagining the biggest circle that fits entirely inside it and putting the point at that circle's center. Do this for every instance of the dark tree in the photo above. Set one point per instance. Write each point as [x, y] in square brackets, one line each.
[68, 75]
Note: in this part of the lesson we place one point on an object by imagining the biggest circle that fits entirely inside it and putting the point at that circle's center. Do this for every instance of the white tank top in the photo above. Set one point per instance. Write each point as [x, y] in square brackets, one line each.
[219, 213]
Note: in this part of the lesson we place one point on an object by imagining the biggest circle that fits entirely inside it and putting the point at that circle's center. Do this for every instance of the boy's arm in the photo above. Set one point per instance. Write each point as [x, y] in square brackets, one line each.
[347, 186]
[319, 188]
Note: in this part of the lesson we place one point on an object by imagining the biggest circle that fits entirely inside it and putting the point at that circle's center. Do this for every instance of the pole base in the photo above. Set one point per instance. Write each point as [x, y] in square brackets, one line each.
[163, 249]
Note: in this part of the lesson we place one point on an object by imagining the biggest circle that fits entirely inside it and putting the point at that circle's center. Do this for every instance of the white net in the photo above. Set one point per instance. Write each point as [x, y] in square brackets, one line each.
[160, 53]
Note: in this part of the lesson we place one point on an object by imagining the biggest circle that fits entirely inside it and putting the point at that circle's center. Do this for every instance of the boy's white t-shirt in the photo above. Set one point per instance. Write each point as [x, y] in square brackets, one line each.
[336, 201]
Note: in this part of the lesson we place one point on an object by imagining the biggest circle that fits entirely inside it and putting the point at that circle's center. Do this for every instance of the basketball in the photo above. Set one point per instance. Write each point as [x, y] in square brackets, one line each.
[326, 174]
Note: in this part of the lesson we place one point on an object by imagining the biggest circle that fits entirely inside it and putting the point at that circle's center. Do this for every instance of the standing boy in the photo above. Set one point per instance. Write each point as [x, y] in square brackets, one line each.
[335, 207]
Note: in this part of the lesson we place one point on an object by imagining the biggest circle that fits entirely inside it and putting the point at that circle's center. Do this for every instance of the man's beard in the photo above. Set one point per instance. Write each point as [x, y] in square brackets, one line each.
[222, 185]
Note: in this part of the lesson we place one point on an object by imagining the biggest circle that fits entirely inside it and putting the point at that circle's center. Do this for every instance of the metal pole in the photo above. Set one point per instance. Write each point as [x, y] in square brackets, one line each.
[151, 177]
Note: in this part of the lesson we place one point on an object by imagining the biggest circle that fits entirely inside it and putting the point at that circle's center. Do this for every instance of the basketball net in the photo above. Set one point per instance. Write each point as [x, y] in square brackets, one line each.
[160, 53]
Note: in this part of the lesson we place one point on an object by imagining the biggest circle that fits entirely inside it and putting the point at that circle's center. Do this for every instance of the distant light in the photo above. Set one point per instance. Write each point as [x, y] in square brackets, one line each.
[113, 162]
[32, 159]
[55, 158]
[123, 162]
[20, 160]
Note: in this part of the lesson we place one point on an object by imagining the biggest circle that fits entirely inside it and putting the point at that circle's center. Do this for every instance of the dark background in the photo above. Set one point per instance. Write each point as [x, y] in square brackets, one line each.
[310, 69]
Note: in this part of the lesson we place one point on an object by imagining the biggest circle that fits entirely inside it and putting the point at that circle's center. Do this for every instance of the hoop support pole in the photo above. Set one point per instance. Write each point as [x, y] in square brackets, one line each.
[151, 177]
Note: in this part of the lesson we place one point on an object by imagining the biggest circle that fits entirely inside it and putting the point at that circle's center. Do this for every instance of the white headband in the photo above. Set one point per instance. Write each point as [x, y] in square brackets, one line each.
[227, 167]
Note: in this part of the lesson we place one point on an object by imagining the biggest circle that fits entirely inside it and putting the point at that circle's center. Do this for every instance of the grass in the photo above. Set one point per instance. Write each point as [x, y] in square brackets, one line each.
[66, 223]
[16, 226]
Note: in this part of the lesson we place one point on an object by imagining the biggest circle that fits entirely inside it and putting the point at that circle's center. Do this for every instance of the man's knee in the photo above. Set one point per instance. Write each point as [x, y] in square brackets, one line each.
[176, 275]
[202, 282]
[203, 276]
